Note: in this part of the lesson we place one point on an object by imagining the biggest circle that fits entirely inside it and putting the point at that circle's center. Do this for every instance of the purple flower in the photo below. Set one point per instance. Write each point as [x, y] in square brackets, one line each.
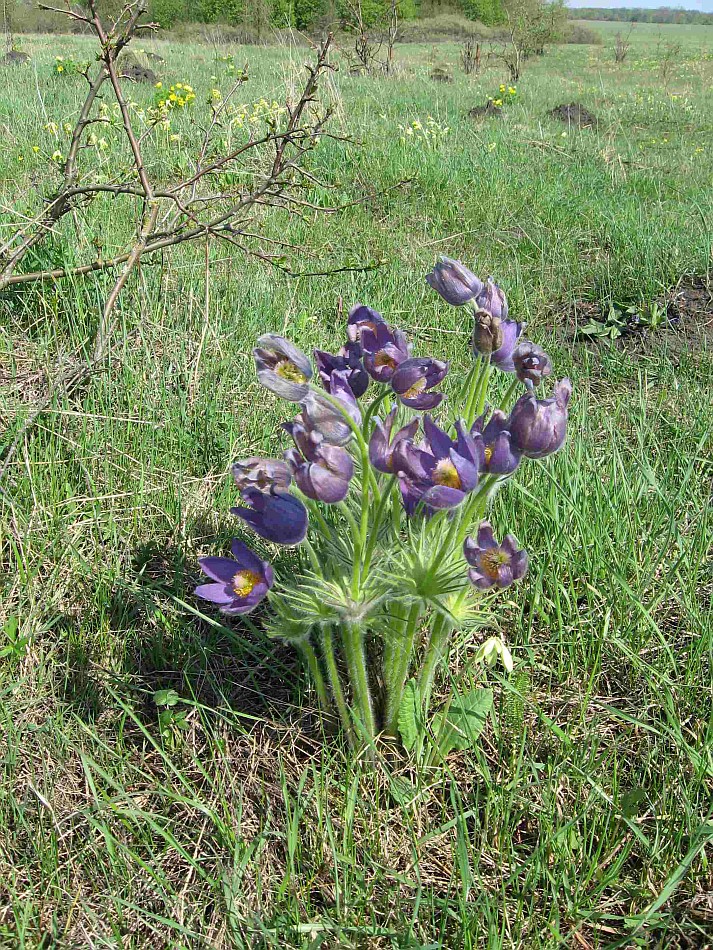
[531, 363]
[348, 360]
[277, 517]
[381, 445]
[539, 426]
[493, 564]
[434, 473]
[503, 356]
[384, 351]
[239, 583]
[362, 318]
[263, 474]
[500, 457]
[322, 471]
[492, 299]
[281, 367]
[454, 282]
[414, 377]
[319, 412]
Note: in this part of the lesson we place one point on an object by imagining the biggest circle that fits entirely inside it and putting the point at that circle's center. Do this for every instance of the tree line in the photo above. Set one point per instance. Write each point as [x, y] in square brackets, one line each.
[639, 15]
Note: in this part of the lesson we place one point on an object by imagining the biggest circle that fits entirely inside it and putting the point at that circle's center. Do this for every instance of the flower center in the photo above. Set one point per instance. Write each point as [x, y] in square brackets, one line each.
[488, 454]
[287, 370]
[415, 389]
[381, 358]
[244, 582]
[445, 473]
[491, 561]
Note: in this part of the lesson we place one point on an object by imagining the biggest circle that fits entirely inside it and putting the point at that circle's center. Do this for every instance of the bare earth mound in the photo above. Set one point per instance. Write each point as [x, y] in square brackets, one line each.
[574, 114]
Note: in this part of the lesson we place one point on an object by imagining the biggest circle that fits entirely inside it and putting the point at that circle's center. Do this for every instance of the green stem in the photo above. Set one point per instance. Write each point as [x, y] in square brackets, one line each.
[436, 648]
[353, 643]
[395, 676]
[512, 388]
[307, 651]
[368, 416]
[376, 525]
[476, 387]
[335, 683]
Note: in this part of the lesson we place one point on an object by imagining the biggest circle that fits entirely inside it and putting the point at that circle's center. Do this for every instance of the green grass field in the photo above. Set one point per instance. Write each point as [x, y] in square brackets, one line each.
[586, 818]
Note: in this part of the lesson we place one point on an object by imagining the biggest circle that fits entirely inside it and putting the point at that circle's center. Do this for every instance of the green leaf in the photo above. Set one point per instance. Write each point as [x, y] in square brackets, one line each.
[464, 721]
[166, 697]
[411, 724]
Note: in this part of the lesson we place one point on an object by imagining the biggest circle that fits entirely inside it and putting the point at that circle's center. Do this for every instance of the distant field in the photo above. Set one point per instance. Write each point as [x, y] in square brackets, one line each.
[586, 820]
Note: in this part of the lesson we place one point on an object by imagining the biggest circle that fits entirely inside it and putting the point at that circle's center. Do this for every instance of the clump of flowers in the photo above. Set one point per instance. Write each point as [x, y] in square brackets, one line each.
[176, 96]
[506, 95]
[384, 493]
[67, 66]
[429, 133]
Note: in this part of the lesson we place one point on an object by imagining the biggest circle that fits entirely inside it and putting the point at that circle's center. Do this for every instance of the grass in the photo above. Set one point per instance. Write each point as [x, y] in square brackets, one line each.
[226, 819]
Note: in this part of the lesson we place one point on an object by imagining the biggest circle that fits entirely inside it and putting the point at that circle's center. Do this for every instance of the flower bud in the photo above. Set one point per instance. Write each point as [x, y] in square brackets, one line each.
[454, 282]
[531, 363]
[487, 333]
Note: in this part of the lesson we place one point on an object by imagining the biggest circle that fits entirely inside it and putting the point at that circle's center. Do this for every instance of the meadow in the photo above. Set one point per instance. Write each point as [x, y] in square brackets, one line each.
[164, 781]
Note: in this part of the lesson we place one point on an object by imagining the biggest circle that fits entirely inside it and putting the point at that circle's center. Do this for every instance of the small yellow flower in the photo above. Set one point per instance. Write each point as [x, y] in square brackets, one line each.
[60, 69]
[173, 97]
[57, 156]
[159, 85]
[20, 158]
[35, 148]
[175, 137]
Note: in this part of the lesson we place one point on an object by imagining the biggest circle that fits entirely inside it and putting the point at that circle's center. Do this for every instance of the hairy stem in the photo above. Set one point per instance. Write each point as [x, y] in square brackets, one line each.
[355, 656]
[335, 683]
[307, 650]
[396, 671]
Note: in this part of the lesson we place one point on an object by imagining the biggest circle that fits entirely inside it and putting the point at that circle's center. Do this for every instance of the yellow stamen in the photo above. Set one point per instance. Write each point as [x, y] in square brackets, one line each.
[491, 561]
[488, 454]
[445, 473]
[245, 582]
[415, 389]
[287, 370]
[383, 359]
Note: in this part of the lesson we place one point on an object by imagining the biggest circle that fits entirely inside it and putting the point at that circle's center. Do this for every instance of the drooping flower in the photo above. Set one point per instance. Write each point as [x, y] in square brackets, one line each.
[494, 440]
[384, 351]
[493, 564]
[322, 471]
[531, 363]
[433, 473]
[238, 583]
[539, 426]
[414, 378]
[362, 318]
[348, 360]
[282, 368]
[381, 444]
[320, 413]
[502, 357]
[454, 282]
[492, 298]
[263, 474]
[277, 517]
[487, 333]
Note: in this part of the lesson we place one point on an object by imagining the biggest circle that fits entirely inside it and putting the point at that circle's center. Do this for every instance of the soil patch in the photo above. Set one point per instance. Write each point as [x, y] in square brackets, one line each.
[440, 74]
[574, 114]
[487, 111]
[15, 58]
[139, 74]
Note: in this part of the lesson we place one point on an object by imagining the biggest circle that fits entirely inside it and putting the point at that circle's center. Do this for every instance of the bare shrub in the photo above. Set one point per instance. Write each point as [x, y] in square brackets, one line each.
[470, 58]
[622, 46]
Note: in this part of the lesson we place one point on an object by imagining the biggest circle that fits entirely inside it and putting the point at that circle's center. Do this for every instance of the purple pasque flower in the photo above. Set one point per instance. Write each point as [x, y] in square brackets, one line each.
[434, 473]
[362, 318]
[454, 282]
[263, 474]
[531, 362]
[382, 445]
[493, 299]
[322, 471]
[277, 516]
[320, 413]
[281, 367]
[414, 377]
[539, 426]
[499, 455]
[385, 349]
[348, 360]
[503, 356]
[493, 564]
[238, 583]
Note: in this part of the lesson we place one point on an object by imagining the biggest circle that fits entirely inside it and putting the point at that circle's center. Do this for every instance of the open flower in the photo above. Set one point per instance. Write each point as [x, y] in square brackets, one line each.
[277, 517]
[493, 564]
[385, 349]
[348, 360]
[494, 439]
[492, 298]
[282, 368]
[238, 583]
[454, 282]
[263, 474]
[322, 471]
[539, 426]
[414, 378]
[382, 445]
[362, 318]
[531, 363]
[320, 413]
[434, 473]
